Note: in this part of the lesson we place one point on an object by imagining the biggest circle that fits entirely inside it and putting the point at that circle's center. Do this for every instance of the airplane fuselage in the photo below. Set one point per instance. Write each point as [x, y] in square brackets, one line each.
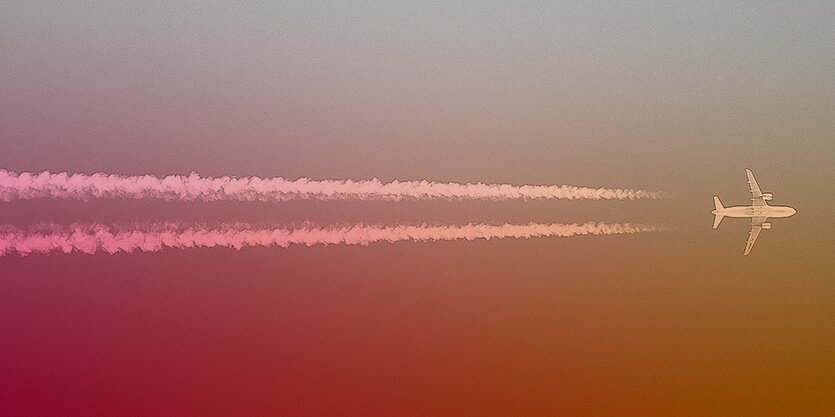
[774, 212]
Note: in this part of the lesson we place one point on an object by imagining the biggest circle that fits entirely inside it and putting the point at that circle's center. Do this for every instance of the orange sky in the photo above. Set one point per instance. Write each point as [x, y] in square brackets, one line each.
[677, 98]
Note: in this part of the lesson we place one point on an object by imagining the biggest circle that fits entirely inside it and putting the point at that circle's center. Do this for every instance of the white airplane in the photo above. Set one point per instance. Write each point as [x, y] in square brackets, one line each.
[759, 211]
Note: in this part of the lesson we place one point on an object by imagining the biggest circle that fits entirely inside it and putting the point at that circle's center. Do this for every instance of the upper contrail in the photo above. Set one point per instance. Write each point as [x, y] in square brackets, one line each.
[93, 238]
[24, 186]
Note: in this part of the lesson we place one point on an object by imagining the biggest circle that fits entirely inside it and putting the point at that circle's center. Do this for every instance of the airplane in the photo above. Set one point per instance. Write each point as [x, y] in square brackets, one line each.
[759, 211]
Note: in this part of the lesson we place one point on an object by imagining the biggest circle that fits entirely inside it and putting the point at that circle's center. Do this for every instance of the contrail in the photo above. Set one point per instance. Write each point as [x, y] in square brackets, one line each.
[93, 238]
[25, 186]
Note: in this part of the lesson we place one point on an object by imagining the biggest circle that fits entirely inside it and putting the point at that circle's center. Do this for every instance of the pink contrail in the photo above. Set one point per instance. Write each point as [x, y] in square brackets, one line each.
[24, 186]
[93, 238]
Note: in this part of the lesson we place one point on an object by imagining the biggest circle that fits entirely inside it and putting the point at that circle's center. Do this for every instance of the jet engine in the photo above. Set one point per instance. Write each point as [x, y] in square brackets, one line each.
[766, 226]
[768, 196]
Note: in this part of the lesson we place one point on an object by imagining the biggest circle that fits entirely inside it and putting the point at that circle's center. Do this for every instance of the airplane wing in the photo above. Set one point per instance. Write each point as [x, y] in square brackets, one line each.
[756, 192]
[756, 228]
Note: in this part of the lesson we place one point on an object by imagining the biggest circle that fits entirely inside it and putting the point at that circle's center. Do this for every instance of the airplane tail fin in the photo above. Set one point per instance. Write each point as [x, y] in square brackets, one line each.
[717, 206]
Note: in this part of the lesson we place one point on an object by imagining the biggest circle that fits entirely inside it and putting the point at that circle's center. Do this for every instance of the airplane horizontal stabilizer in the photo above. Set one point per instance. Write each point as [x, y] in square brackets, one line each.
[718, 206]
[717, 220]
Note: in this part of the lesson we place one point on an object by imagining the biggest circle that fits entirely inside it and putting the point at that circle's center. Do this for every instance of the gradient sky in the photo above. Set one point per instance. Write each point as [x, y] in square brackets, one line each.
[667, 96]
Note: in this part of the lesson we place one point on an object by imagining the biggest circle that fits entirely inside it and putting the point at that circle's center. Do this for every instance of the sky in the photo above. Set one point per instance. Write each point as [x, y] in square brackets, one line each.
[677, 97]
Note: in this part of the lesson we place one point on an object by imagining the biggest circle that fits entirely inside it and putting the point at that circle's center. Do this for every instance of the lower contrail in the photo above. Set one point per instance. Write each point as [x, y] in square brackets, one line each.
[25, 186]
[93, 238]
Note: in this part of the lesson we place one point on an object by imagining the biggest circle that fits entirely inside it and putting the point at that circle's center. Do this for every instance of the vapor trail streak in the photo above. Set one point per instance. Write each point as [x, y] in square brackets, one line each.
[24, 186]
[92, 238]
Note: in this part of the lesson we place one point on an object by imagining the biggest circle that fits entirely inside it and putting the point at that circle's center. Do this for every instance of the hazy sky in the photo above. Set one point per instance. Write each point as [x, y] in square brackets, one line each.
[502, 91]
[673, 96]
